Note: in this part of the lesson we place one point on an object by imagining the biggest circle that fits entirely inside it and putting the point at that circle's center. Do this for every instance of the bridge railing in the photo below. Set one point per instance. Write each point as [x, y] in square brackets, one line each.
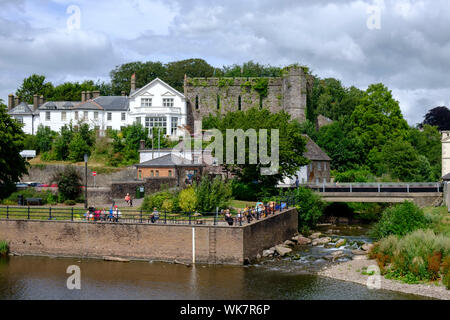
[415, 187]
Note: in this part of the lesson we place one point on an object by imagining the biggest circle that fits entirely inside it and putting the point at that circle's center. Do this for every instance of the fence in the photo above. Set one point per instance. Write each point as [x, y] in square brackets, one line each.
[424, 187]
[141, 216]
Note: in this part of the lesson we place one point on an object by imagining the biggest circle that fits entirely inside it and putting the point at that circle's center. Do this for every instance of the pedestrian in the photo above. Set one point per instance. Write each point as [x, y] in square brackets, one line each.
[128, 199]
[116, 214]
[111, 215]
[297, 182]
[155, 215]
[239, 216]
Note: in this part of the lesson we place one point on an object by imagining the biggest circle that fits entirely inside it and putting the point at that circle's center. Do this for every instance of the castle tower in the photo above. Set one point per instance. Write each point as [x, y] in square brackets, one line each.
[294, 93]
[445, 152]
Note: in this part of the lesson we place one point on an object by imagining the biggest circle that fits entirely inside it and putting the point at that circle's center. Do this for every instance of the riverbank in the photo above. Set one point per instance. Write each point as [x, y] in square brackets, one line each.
[352, 271]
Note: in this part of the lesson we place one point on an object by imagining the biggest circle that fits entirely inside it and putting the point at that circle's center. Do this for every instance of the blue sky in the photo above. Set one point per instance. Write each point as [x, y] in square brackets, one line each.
[409, 52]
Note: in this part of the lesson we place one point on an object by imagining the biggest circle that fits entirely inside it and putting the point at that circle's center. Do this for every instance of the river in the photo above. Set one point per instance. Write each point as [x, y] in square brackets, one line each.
[45, 278]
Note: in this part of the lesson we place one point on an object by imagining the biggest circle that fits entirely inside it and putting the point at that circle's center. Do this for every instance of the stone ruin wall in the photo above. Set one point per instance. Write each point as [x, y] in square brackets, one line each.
[283, 93]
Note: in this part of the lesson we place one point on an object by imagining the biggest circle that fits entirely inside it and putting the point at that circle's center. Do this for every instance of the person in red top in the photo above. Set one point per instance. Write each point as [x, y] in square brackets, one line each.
[128, 200]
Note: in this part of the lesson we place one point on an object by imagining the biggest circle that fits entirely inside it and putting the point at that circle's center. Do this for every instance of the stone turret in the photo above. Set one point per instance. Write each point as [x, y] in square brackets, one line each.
[294, 92]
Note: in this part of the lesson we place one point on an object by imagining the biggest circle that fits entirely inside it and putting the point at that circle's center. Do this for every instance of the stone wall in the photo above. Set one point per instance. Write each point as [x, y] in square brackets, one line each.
[120, 189]
[285, 93]
[213, 244]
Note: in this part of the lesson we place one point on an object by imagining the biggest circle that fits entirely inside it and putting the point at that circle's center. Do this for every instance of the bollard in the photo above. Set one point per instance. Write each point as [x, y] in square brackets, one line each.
[165, 217]
[7, 212]
[28, 213]
[49, 213]
[71, 218]
[141, 215]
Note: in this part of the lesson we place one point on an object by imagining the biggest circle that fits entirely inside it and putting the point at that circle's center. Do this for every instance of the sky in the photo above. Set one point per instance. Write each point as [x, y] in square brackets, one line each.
[404, 44]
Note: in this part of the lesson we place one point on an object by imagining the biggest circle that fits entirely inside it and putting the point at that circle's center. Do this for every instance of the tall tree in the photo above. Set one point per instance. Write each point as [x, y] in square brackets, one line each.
[191, 67]
[12, 165]
[34, 84]
[439, 117]
[250, 69]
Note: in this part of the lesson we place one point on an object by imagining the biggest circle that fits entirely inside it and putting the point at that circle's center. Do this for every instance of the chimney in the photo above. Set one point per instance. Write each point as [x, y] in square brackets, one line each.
[142, 144]
[16, 101]
[88, 95]
[35, 102]
[83, 96]
[10, 102]
[95, 94]
[41, 100]
[123, 94]
[133, 82]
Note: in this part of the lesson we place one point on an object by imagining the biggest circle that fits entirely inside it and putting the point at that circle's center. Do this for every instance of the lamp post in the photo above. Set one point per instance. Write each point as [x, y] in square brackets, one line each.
[86, 158]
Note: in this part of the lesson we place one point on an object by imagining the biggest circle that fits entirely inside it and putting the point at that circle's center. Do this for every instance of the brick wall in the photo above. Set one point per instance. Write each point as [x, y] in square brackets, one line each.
[222, 245]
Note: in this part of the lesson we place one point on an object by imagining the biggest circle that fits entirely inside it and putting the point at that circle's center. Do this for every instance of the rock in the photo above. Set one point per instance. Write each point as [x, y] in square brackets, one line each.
[258, 257]
[115, 259]
[282, 251]
[367, 247]
[289, 243]
[268, 253]
[321, 241]
[335, 255]
[340, 243]
[359, 252]
[360, 257]
[302, 240]
[315, 235]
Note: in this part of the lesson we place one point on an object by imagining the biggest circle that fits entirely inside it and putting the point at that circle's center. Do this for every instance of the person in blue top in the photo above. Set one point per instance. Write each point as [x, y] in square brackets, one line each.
[111, 215]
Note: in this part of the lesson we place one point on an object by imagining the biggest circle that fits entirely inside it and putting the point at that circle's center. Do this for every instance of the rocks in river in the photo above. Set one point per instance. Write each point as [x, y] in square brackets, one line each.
[335, 255]
[340, 243]
[359, 252]
[367, 247]
[258, 257]
[302, 240]
[321, 241]
[115, 259]
[282, 250]
[360, 257]
[289, 243]
[343, 220]
[268, 253]
[315, 235]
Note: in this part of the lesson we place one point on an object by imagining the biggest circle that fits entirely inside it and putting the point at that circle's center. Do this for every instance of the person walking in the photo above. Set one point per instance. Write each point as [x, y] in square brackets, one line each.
[155, 215]
[128, 200]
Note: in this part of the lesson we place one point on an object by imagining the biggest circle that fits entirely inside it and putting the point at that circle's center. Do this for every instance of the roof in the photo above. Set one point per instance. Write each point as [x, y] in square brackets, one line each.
[88, 105]
[168, 161]
[22, 109]
[132, 94]
[313, 151]
[446, 177]
[58, 105]
[107, 103]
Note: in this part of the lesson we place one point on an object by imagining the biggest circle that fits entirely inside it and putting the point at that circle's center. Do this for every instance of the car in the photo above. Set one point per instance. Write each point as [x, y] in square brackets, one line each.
[33, 184]
[21, 185]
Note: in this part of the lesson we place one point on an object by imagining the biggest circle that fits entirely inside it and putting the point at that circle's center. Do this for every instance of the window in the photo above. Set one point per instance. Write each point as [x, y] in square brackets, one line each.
[156, 122]
[138, 120]
[47, 115]
[170, 173]
[97, 128]
[157, 173]
[140, 174]
[19, 119]
[109, 128]
[123, 116]
[311, 167]
[152, 173]
[174, 126]
[95, 115]
[122, 128]
[85, 115]
[239, 103]
[109, 116]
[319, 166]
[168, 102]
[196, 102]
[146, 102]
[63, 116]
[324, 180]
[76, 115]
[324, 166]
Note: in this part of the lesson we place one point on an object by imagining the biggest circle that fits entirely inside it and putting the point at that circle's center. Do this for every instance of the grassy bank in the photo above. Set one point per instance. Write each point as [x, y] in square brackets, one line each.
[4, 248]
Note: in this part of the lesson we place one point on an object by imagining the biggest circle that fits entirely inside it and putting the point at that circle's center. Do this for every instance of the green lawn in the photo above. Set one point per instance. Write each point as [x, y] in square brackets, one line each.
[239, 204]
[440, 219]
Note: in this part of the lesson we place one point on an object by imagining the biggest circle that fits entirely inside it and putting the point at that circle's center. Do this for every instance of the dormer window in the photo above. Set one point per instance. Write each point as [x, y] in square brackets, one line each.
[168, 102]
[146, 102]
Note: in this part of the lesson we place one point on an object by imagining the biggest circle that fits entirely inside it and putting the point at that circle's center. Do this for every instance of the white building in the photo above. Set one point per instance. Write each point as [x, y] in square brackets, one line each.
[156, 105]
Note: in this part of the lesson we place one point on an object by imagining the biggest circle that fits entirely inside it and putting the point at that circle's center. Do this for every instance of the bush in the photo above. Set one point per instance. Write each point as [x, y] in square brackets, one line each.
[70, 202]
[400, 220]
[4, 248]
[355, 175]
[212, 193]
[244, 191]
[188, 200]
[69, 183]
[27, 193]
[156, 200]
[309, 206]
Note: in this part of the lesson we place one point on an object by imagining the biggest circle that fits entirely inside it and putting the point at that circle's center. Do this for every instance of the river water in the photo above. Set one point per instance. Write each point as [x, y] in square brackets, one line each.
[45, 278]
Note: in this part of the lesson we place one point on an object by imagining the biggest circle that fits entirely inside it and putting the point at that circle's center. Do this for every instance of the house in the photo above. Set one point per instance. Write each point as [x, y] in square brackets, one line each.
[156, 105]
[316, 172]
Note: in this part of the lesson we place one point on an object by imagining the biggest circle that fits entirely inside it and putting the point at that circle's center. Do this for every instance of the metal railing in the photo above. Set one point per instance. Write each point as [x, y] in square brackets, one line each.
[420, 187]
[133, 216]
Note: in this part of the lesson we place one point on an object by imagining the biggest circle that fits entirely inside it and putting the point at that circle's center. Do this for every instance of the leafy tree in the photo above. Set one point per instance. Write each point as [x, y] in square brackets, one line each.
[212, 193]
[35, 84]
[31, 142]
[12, 165]
[191, 67]
[188, 200]
[378, 118]
[291, 145]
[309, 206]
[250, 69]
[61, 145]
[78, 147]
[439, 117]
[69, 183]
[44, 136]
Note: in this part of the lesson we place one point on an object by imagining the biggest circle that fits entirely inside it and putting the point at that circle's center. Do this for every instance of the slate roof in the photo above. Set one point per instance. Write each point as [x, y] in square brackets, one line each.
[446, 177]
[166, 161]
[58, 105]
[107, 103]
[314, 152]
[22, 109]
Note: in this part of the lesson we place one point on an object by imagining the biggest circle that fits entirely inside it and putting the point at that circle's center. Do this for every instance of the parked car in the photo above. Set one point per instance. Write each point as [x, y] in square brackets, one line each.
[20, 185]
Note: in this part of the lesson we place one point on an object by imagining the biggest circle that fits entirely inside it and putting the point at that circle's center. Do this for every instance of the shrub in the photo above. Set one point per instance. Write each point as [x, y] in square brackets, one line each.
[188, 200]
[212, 193]
[69, 183]
[355, 175]
[70, 202]
[446, 272]
[27, 193]
[309, 206]
[156, 200]
[400, 220]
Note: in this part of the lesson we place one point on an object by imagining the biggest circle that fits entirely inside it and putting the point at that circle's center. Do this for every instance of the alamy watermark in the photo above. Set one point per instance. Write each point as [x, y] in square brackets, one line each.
[257, 147]
[74, 280]
[74, 20]
[374, 280]
[374, 12]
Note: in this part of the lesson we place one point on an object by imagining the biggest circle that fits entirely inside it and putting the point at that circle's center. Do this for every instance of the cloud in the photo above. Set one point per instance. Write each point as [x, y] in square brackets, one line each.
[409, 53]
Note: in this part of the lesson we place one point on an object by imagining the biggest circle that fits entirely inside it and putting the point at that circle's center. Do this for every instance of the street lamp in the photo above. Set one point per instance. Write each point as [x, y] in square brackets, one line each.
[86, 158]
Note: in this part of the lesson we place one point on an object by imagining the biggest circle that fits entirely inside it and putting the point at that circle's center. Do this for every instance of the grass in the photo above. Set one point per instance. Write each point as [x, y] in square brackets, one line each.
[4, 248]
[440, 219]
[239, 204]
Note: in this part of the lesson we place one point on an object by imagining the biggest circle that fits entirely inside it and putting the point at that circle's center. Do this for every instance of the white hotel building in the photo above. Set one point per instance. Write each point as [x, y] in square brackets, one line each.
[156, 105]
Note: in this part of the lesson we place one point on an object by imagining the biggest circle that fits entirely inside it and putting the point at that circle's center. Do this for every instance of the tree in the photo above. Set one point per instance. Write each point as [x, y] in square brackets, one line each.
[250, 69]
[439, 117]
[61, 145]
[78, 147]
[188, 200]
[35, 84]
[190, 67]
[12, 165]
[69, 183]
[378, 118]
[291, 145]
[212, 194]
[44, 137]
